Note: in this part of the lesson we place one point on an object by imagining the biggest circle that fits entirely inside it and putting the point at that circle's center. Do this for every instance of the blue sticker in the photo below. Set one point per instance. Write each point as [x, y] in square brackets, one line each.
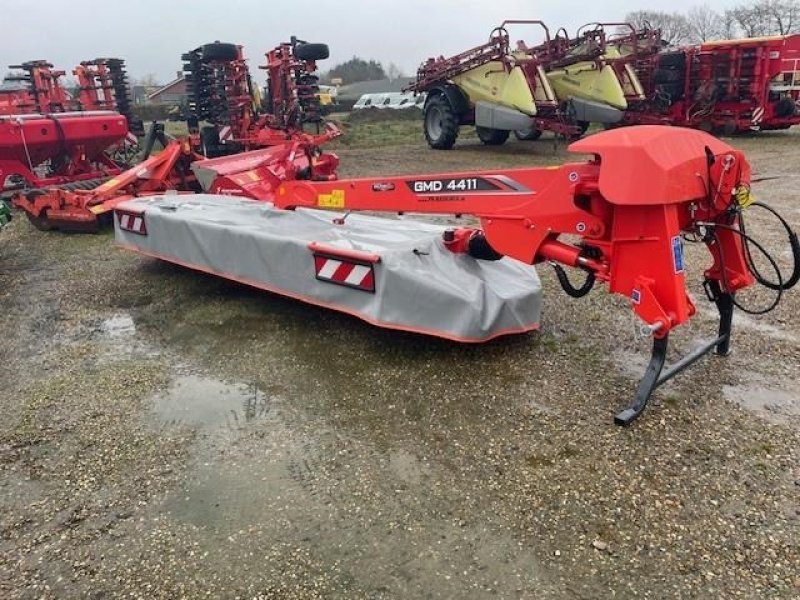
[677, 254]
[636, 296]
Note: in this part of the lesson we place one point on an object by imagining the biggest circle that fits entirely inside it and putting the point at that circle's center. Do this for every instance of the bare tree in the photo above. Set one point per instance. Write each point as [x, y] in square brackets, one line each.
[767, 17]
[394, 72]
[730, 26]
[751, 20]
[675, 28]
[148, 80]
[784, 15]
[705, 24]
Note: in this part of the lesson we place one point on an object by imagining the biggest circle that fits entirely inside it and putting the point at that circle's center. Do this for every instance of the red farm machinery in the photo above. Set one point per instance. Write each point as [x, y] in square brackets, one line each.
[492, 87]
[243, 149]
[239, 118]
[621, 227]
[726, 87]
[49, 138]
[561, 84]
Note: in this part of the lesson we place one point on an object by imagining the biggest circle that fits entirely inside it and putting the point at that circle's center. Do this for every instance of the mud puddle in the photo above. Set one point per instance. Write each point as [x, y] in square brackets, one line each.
[208, 404]
[268, 479]
[380, 520]
[742, 321]
[118, 325]
[118, 339]
[775, 404]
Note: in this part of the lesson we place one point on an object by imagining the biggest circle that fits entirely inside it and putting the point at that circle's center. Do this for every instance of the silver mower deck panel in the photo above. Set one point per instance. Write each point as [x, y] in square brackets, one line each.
[389, 272]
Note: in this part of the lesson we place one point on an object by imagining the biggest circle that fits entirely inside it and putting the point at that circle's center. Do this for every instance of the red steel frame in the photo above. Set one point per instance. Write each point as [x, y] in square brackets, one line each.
[284, 118]
[630, 216]
[629, 222]
[52, 139]
[729, 86]
[80, 210]
[72, 145]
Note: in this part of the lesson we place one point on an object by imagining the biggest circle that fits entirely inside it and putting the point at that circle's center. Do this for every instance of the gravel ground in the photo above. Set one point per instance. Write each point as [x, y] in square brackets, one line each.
[167, 435]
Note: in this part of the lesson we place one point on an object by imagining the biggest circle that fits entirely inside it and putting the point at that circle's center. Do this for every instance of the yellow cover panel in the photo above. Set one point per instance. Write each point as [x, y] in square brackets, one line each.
[491, 83]
[585, 80]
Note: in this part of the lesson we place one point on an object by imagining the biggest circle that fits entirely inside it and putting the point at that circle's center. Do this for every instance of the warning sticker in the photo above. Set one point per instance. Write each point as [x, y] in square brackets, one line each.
[333, 200]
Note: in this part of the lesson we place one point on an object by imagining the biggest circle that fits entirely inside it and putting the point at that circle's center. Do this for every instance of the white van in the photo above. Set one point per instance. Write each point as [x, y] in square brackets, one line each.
[393, 100]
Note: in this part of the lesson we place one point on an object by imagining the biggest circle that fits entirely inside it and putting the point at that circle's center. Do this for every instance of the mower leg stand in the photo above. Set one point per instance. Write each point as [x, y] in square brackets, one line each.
[654, 377]
[648, 383]
[724, 302]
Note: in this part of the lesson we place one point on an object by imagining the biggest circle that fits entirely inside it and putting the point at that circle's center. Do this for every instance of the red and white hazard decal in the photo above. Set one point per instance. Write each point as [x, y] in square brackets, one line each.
[342, 271]
[225, 133]
[758, 115]
[133, 222]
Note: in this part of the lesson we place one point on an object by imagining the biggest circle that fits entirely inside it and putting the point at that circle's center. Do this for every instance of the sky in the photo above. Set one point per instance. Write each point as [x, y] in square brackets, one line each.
[151, 35]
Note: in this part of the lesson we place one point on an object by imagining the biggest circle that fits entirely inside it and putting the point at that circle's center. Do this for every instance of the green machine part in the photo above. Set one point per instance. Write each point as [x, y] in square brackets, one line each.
[5, 213]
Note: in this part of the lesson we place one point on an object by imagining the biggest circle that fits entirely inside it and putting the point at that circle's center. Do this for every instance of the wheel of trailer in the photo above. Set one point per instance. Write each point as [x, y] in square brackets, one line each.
[528, 135]
[311, 51]
[41, 222]
[672, 59]
[492, 137]
[729, 128]
[668, 76]
[583, 127]
[440, 123]
[220, 51]
[706, 126]
[785, 107]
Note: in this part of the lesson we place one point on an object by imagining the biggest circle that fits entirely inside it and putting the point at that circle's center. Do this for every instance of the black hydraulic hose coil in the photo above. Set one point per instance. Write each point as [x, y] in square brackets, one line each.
[782, 284]
[570, 289]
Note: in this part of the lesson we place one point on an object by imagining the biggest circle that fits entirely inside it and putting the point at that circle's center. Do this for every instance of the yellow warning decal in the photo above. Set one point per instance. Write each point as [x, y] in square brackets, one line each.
[98, 209]
[744, 197]
[333, 200]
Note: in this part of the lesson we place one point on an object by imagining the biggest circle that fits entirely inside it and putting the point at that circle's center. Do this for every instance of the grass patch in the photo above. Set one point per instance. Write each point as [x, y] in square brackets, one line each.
[389, 132]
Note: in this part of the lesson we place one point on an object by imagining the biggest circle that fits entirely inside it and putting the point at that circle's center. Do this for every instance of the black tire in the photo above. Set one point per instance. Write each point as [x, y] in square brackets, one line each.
[41, 222]
[785, 108]
[311, 51]
[220, 51]
[672, 59]
[528, 135]
[492, 137]
[668, 76]
[673, 90]
[729, 128]
[582, 126]
[440, 123]
[706, 126]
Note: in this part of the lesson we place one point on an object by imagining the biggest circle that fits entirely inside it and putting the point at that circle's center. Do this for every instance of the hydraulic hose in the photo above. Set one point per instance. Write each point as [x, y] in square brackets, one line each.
[749, 240]
[567, 286]
[782, 284]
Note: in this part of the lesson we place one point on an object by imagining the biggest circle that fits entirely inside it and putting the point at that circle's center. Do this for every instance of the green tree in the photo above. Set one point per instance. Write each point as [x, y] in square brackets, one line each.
[356, 69]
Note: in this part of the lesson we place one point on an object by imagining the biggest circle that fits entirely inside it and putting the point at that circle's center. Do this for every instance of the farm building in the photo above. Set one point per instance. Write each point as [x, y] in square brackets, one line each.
[354, 91]
[172, 93]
